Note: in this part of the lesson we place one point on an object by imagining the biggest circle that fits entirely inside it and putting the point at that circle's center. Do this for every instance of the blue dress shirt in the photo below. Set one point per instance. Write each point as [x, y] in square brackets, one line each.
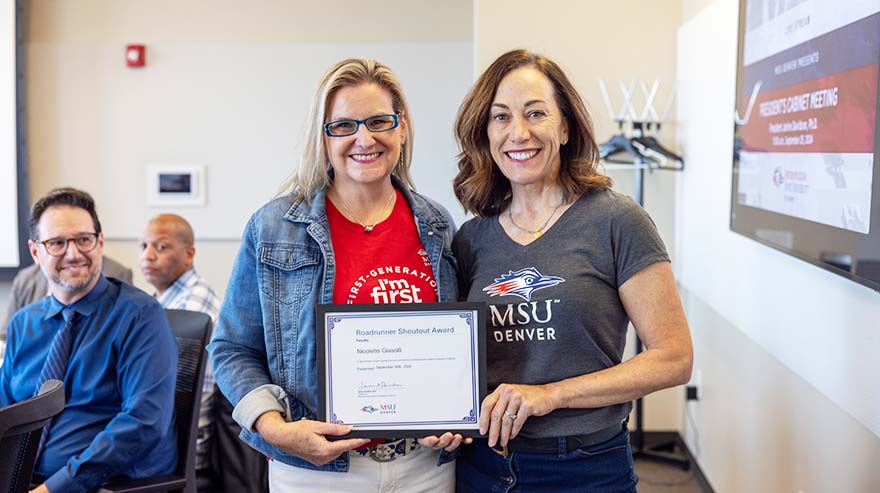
[119, 386]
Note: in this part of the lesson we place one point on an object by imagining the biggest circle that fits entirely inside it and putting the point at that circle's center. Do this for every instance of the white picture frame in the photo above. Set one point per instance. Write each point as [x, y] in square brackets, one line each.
[175, 185]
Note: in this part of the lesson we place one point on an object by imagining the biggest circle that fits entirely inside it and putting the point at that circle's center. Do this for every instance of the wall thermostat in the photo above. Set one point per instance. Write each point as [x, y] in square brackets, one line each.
[176, 185]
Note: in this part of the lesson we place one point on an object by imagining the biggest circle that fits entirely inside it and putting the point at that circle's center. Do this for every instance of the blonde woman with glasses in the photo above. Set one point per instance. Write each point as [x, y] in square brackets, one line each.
[350, 210]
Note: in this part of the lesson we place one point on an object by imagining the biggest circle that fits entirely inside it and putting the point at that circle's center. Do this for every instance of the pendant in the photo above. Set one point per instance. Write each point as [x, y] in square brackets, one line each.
[368, 229]
[537, 234]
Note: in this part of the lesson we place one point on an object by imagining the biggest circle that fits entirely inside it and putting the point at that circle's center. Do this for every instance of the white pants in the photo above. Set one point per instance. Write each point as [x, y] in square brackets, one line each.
[417, 471]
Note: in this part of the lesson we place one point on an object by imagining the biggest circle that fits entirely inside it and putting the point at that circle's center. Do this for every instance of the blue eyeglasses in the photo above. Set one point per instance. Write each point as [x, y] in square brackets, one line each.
[343, 128]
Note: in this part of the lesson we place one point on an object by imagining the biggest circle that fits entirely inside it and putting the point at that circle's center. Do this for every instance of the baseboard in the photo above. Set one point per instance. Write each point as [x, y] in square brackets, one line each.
[659, 437]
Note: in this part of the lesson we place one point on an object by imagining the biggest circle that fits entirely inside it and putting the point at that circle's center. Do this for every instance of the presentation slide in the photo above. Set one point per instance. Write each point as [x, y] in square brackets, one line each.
[809, 98]
[8, 165]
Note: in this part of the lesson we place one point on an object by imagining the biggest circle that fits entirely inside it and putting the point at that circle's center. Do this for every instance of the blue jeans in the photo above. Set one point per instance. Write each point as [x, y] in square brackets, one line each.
[604, 467]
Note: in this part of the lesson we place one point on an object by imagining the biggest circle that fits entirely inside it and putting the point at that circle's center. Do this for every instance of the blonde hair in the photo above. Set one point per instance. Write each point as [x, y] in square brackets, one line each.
[314, 167]
[479, 185]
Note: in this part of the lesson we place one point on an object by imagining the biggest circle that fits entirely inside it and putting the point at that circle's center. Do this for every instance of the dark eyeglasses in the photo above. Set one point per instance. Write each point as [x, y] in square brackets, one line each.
[343, 128]
[57, 247]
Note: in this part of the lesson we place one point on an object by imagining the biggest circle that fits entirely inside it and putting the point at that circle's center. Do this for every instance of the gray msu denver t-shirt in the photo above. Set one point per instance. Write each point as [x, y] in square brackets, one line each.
[554, 307]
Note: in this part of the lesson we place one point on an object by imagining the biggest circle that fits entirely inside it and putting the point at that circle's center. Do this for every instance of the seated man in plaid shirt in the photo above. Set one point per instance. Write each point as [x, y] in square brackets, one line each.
[166, 258]
[167, 251]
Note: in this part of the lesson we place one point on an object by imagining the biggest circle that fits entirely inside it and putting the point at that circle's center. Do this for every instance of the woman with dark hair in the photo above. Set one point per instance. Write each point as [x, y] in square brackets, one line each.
[350, 212]
[565, 264]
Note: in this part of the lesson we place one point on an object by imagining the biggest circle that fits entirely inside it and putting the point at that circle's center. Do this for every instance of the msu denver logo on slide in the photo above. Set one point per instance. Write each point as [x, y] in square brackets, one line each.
[521, 283]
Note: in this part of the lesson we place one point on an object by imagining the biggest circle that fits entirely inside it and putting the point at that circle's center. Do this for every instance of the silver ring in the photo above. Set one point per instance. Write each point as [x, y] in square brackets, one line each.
[508, 414]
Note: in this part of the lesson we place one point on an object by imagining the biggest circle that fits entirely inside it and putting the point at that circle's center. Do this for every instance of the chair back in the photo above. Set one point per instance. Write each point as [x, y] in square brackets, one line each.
[21, 425]
[192, 331]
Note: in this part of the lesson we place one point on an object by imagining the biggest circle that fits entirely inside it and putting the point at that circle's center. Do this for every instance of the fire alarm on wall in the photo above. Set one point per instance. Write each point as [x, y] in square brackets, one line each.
[135, 55]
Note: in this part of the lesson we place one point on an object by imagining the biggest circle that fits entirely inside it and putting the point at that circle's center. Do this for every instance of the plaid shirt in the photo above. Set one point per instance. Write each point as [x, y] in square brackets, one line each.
[191, 292]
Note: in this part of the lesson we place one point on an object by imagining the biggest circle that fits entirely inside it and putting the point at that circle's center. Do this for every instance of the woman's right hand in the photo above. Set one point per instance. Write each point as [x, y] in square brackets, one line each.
[305, 438]
[446, 441]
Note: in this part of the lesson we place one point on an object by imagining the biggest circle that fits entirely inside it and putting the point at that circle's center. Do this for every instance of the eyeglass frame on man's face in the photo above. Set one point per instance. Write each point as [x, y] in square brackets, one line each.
[75, 239]
[358, 123]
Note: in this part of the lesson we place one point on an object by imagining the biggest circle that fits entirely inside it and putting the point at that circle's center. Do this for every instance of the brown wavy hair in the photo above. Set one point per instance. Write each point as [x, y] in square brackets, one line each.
[479, 185]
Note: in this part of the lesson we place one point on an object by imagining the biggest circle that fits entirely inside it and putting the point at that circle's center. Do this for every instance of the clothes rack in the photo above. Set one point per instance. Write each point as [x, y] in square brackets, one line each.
[638, 162]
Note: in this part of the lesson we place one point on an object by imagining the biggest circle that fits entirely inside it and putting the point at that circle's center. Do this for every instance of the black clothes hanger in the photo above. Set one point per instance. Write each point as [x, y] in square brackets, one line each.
[641, 149]
[620, 144]
[649, 142]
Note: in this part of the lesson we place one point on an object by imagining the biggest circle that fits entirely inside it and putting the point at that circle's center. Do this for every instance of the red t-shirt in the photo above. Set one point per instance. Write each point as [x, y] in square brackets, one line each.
[387, 265]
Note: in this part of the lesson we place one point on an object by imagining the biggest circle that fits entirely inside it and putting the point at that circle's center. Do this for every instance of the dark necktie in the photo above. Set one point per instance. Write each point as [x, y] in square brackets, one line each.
[59, 352]
[56, 363]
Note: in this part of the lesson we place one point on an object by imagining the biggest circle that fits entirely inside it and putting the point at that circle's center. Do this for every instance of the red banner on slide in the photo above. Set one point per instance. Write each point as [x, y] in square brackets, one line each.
[833, 114]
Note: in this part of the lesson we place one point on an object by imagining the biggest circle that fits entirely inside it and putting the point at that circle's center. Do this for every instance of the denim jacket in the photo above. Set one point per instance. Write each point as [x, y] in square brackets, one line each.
[263, 349]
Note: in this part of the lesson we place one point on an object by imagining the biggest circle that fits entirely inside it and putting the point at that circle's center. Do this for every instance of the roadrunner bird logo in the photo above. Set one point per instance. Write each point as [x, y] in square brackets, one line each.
[521, 283]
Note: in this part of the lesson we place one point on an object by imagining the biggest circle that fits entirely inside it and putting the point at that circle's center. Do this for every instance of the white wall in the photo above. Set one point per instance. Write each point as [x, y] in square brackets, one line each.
[778, 419]
[8, 138]
[236, 108]
[227, 85]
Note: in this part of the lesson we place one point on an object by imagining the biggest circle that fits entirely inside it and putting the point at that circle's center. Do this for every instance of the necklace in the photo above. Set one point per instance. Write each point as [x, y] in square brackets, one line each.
[540, 231]
[367, 227]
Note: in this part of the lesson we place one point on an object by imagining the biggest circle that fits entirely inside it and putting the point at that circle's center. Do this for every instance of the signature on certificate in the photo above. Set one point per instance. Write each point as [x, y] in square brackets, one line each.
[382, 384]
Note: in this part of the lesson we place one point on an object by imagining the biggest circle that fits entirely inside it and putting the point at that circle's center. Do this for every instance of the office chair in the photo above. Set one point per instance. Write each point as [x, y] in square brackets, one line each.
[21, 425]
[193, 331]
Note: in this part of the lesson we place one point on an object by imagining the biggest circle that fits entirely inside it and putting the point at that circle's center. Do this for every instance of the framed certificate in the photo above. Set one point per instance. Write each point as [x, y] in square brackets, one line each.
[402, 370]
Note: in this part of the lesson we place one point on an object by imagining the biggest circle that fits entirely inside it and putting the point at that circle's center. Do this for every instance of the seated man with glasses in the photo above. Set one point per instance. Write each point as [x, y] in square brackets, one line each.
[109, 343]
